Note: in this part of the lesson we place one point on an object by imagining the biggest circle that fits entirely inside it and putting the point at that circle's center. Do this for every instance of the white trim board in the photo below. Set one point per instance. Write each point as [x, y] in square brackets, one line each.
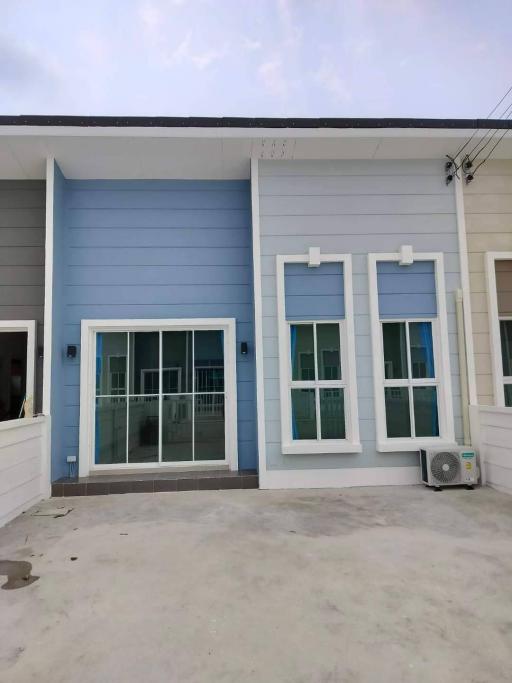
[88, 383]
[258, 318]
[340, 478]
[494, 323]
[445, 402]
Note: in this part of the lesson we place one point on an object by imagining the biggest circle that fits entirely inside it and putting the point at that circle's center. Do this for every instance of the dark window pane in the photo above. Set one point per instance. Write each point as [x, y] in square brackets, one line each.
[332, 414]
[395, 350]
[177, 428]
[422, 350]
[209, 360]
[508, 395]
[209, 427]
[506, 346]
[13, 374]
[110, 431]
[144, 362]
[111, 349]
[303, 414]
[328, 351]
[426, 420]
[143, 429]
[302, 353]
[177, 362]
[398, 419]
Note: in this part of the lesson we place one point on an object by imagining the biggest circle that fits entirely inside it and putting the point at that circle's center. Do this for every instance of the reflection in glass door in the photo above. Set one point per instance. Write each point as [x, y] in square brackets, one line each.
[160, 397]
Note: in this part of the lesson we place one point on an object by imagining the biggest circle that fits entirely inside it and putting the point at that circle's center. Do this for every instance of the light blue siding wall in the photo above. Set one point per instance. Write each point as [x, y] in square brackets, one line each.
[314, 293]
[352, 207]
[156, 249]
[407, 291]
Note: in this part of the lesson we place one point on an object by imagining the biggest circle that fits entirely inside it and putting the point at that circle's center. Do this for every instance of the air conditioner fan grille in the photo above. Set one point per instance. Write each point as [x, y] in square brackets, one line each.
[445, 467]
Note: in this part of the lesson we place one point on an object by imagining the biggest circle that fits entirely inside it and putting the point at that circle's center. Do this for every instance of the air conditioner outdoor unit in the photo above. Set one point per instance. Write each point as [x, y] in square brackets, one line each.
[448, 466]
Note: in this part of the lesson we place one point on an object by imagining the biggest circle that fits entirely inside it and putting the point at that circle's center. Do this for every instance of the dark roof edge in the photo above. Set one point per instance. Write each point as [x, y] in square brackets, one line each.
[241, 122]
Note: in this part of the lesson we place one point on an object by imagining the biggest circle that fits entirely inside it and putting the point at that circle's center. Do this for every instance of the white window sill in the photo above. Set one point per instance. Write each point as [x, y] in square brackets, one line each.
[393, 445]
[319, 447]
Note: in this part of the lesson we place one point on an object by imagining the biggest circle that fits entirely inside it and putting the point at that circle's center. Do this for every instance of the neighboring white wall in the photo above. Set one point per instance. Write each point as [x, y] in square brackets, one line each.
[488, 208]
[23, 465]
[494, 442]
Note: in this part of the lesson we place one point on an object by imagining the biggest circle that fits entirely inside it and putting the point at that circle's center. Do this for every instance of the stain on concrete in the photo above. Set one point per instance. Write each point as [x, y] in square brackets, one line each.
[18, 574]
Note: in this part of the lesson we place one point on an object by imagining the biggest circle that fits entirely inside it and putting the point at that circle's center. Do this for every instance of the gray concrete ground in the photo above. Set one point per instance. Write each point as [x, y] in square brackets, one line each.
[359, 585]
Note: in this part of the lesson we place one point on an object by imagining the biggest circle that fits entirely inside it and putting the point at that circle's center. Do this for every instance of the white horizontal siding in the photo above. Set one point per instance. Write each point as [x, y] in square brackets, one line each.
[23, 473]
[494, 441]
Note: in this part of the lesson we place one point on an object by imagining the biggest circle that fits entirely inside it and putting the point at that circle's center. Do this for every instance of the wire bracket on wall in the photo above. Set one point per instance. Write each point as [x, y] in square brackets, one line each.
[467, 169]
[451, 169]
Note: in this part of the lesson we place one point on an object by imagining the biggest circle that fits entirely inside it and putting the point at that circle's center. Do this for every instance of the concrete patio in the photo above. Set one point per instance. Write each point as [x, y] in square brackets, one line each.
[359, 585]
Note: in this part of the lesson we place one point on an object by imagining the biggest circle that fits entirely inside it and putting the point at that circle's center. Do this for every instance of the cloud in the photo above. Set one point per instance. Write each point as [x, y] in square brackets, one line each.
[292, 32]
[271, 75]
[251, 45]
[328, 77]
[22, 67]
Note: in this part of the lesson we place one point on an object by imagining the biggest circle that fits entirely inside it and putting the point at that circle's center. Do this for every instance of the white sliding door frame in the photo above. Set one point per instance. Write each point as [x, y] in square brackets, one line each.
[88, 386]
[28, 326]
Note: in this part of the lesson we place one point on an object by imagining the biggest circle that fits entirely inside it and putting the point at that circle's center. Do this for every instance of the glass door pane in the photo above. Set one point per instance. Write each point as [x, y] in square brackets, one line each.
[13, 374]
[110, 431]
[177, 428]
[209, 427]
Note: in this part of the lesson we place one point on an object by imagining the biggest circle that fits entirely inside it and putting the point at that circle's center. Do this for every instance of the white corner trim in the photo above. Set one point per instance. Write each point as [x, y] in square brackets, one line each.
[441, 352]
[340, 478]
[258, 317]
[89, 328]
[30, 327]
[494, 324]
[48, 289]
[466, 290]
[351, 444]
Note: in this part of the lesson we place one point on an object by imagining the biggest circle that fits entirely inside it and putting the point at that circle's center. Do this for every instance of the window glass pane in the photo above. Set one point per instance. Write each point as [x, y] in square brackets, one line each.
[506, 346]
[143, 429]
[395, 350]
[398, 419]
[13, 374]
[209, 360]
[144, 362]
[426, 420]
[177, 362]
[177, 428]
[111, 363]
[328, 351]
[303, 414]
[332, 414]
[508, 395]
[422, 350]
[302, 353]
[209, 427]
[110, 431]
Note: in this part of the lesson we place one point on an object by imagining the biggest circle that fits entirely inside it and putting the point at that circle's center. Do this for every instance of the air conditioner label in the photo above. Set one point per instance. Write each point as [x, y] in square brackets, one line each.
[468, 455]
[468, 465]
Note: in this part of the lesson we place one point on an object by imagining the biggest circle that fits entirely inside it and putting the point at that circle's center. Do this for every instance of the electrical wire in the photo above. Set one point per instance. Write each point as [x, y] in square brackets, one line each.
[463, 147]
[491, 132]
[492, 150]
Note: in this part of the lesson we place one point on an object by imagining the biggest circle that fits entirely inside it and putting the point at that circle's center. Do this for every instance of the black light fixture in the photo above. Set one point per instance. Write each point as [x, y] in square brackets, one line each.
[71, 351]
[244, 348]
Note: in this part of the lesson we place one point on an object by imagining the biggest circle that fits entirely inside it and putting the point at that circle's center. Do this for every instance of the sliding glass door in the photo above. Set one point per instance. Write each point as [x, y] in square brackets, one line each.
[160, 397]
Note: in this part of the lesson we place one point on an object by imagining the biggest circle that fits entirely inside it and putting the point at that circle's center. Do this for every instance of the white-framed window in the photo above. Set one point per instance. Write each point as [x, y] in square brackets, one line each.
[499, 293]
[411, 368]
[17, 368]
[157, 393]
[318, 390]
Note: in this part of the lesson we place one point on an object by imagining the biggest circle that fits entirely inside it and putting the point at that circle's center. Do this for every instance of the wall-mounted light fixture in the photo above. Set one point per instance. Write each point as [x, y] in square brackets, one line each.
[71, 351]
[244, 348]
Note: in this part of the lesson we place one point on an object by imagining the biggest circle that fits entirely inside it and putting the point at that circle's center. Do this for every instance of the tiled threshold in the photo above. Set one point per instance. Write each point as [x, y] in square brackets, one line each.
[155, 483]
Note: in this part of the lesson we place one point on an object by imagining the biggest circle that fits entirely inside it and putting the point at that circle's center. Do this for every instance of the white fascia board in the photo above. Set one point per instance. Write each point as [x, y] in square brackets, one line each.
[228, 132]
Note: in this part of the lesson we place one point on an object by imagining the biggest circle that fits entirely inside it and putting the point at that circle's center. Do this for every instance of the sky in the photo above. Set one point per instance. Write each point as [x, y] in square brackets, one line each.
[419, 58]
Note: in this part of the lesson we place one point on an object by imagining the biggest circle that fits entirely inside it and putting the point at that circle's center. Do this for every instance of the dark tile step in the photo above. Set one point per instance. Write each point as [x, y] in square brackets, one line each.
[157, 483]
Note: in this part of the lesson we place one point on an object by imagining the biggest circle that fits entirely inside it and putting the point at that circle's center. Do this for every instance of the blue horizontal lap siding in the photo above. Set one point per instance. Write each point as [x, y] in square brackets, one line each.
[406, 291]
[157, 249]
[314, 293]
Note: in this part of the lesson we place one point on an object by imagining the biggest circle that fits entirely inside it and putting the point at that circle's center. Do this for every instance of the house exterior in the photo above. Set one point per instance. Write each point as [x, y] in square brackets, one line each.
[308, 299]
